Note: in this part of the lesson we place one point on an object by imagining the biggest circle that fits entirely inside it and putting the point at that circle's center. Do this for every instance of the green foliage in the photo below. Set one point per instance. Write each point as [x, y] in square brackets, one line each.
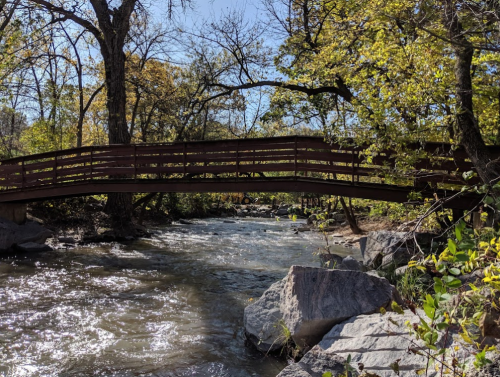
[46, 136]
[466, 251]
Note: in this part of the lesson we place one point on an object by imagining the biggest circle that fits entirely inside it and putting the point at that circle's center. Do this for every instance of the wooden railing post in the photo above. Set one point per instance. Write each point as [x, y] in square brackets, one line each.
[295, 154]
[184, 159]
[22, 172]
[91, 160]
[305, 172]
[135, 162]
[55, 168]
[253, 172]
[352, 172]
[357, 167]
[237, 158]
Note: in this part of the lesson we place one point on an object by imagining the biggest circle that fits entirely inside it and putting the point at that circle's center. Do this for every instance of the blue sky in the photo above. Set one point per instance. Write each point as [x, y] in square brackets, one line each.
[212, 9]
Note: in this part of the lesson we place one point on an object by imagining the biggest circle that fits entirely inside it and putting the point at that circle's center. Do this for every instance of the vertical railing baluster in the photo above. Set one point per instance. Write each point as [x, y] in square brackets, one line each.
[22, 173]
[184, 159]
[91, 161]
[295, 154]
[352, 173]
[254, 164]
[55, 169]
[357, 166]
[135, 162]
[237, 158]
[306, 162]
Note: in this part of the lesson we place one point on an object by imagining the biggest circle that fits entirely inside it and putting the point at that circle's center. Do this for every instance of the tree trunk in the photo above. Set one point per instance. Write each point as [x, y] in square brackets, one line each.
[351, 219]
[470, 134]
[119, 205]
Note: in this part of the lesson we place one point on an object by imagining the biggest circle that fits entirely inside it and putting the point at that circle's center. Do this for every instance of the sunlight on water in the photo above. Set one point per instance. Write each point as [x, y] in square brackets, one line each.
[171, 305]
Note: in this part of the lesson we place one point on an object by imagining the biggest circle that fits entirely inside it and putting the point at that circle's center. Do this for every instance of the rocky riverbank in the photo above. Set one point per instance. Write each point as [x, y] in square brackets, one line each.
[350, 318]
[332, 316]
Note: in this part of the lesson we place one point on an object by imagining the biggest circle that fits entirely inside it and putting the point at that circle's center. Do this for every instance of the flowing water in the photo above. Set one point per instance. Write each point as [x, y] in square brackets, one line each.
[171, 305]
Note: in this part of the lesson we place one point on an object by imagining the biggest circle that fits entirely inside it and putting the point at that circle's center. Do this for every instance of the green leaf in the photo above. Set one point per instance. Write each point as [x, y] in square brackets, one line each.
[442, 326]
[466, 245]
[458, 233]
[395, 307]
[438, 286]
[452, 246]
[468, 174]
[327, 374]
[425, 325]
[455, 271]
[489, 200]
[431, 337]
[445, 297]
[462, 257]
[451, 281]
[429, 310]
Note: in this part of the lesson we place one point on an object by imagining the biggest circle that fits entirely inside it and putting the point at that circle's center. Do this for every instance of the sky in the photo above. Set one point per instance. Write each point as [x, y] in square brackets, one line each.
[212, 9]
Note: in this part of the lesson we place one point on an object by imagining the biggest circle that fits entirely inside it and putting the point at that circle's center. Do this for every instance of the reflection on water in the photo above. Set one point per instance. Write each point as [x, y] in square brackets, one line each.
[167, 306]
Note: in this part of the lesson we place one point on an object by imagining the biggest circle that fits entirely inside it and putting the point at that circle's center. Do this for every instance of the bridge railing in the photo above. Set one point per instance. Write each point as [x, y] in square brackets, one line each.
[297, 156]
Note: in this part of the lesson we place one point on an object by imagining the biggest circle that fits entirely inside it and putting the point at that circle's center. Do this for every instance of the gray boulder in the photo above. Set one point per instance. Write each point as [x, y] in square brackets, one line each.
[315, 299]
[311, 219]
[337, 262]
[376, 341]
[383, 248]
[263, 320]
[330, 260]
[33, 247]
[350, 264]
[314, 364]
[12, 234]
[282, 212]
[67, 240]
[380, 244]
[338, 217]
[397, 257]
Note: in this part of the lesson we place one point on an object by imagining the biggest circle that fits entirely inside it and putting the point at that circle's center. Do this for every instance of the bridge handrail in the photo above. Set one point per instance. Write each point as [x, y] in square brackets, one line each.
[287, 155]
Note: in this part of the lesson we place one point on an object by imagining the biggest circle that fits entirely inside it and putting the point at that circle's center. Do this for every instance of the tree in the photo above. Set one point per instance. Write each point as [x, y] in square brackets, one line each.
[381, 71]
[110, 29]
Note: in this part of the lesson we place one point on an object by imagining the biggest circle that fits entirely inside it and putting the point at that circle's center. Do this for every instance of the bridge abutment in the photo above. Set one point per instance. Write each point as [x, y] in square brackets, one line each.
[15, 212]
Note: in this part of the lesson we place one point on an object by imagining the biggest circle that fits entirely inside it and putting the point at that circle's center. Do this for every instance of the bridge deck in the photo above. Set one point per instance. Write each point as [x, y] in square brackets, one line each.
[282, 164]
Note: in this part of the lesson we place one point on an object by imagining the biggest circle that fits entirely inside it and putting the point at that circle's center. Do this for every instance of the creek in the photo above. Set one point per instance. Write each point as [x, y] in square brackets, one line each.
[171, 305]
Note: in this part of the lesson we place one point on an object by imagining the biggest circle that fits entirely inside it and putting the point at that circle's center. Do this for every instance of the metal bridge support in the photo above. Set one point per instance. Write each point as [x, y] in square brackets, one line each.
[15, 212]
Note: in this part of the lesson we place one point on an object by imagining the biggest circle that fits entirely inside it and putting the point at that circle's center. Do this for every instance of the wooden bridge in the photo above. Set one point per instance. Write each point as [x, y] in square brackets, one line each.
[279, 164]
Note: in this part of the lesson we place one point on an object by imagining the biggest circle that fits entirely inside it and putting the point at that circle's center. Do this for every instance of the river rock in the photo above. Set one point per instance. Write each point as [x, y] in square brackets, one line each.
[315, 299]
[350, 264]
[338, 217]
[379, 244]
[330, 260]
[314, 364]
[397, 257]
[33, 247]
[66, 240]
[12, 234]
[185, 222]
[263, 320]
[337, 262]
[383, 248]
[376, 341]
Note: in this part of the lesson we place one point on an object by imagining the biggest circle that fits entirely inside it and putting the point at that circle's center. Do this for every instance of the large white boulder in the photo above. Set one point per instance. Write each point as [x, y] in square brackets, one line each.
[376, 341]
[314, 364]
